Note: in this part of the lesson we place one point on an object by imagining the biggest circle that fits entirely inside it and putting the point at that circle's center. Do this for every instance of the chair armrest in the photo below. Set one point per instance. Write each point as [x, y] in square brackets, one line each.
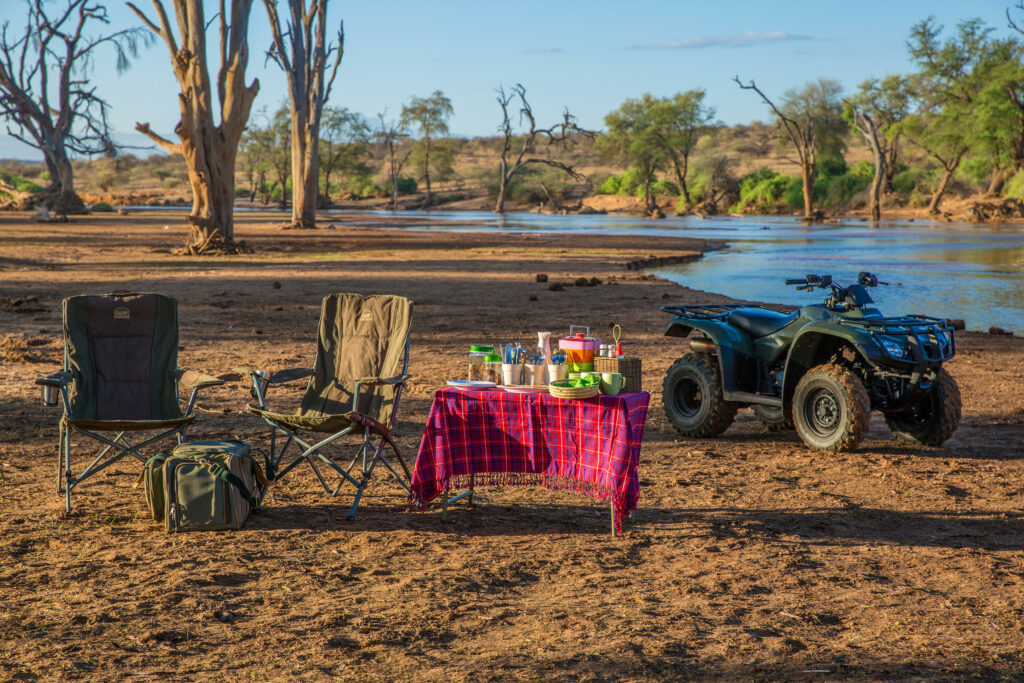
[197, 380]
[275, 377]
[57, 379]
[377, 381]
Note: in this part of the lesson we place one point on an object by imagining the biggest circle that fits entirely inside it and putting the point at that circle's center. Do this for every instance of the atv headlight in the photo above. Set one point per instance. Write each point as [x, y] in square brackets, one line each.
[893, 349]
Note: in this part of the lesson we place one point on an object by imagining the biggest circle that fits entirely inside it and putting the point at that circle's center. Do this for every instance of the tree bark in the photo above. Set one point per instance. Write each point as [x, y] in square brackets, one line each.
[62, 183]
[807, 176]
[996, 182]
[947, 174]
[209, 149]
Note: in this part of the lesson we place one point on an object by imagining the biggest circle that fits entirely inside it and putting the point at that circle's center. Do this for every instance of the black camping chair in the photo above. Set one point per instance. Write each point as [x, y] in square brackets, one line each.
[120, 376]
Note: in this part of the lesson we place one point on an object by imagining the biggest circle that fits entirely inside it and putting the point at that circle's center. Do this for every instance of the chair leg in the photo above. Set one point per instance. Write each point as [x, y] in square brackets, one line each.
[67, 471]
[60, 456]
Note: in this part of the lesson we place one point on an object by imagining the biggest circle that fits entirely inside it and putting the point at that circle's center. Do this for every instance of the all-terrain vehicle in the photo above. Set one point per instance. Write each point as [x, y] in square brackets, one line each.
[821, 369]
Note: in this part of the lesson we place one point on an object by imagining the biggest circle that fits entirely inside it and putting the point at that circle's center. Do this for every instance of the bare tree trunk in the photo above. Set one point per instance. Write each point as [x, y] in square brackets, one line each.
[996, 182]
[947, 174]
[807, 176]
[503, 185]
[865, 125]
[62, 183]
[209, 149]
[304, 61]
[680, 172]
[426, 167]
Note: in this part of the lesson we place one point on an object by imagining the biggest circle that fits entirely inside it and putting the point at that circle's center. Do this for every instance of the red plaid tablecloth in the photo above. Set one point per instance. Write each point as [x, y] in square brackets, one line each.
[488, 438]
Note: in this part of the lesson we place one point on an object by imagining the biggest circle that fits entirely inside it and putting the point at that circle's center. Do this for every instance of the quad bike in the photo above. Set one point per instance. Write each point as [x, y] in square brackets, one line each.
[821, 369]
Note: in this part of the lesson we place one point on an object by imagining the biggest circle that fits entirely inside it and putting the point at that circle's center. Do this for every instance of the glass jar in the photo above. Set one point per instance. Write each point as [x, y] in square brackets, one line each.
[492, 368]
[477, 356]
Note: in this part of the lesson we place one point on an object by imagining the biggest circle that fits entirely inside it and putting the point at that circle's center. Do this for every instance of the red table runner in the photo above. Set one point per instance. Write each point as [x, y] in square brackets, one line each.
[488, 438]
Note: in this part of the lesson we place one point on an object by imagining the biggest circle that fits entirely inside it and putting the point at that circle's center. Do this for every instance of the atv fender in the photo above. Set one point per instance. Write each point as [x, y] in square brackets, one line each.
[734, 349]
[816, 344]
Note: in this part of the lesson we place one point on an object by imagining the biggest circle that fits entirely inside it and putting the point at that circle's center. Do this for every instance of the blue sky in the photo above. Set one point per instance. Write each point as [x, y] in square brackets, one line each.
[587, 56]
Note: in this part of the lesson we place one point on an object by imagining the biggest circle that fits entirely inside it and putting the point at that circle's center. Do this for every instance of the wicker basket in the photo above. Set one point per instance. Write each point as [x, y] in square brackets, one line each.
[627, 366]
[573, 392]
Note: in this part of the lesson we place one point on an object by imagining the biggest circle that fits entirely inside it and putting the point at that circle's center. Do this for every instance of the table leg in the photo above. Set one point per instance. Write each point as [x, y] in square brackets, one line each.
[444, 506]
[613, 519]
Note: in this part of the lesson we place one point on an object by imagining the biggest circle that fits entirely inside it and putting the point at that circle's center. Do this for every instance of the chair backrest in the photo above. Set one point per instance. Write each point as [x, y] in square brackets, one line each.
[360, 336]
[122, 352]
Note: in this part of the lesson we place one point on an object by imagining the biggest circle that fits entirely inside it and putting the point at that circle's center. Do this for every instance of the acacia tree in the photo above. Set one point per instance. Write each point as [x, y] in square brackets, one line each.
[302, 52]
[344, 145]
[389, 136]
[811, 120]
[45, 96]
[951, 75]
[633, 137]
[430, 115]
[678, 122]
[209, 148]
[561, 134]
[888, 101]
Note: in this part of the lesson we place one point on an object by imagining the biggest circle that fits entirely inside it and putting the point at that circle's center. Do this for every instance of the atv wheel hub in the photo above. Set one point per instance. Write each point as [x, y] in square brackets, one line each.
[823, 412]
[688, 397]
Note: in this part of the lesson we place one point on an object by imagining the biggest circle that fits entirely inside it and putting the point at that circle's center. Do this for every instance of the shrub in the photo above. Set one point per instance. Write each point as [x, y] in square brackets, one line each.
[407, 186]
[241, 192]
[863, 169]
[838, 190]
[610, 185]
[764, 188]
[793, 195]
[629, 182]
[1014, 187]
[20, 183]
[905, 182]
[660, 188]
[102, 207]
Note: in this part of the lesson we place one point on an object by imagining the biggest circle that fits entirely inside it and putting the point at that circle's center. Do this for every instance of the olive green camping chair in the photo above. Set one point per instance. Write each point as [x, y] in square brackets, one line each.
[120, 376]
[354, 387]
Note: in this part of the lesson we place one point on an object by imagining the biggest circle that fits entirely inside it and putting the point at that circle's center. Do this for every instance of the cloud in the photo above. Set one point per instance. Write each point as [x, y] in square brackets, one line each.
[544, 50]
[739, 40]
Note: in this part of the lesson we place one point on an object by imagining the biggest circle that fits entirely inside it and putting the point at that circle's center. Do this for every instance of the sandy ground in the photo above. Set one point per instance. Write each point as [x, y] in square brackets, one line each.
[750, 556]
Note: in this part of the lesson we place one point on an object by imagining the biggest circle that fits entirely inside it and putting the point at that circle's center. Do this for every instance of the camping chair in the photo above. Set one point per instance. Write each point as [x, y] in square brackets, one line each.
[120, 375]
[354, 387]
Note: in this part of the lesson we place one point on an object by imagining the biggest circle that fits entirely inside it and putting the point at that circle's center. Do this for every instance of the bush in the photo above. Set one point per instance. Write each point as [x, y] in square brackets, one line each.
[407, 186]
[1014, 187]
[838, 190]
[629, 182]
[905, 182]
[102, 207]
[610, 185]
[863, 169]
[764, 188]
[20, 183]
[364, 187]
[793, 195]
[661, 188]
[242, 192]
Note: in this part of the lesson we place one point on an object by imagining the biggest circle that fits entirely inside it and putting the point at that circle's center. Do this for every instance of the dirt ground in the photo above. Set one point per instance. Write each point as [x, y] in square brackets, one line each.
[750, 557]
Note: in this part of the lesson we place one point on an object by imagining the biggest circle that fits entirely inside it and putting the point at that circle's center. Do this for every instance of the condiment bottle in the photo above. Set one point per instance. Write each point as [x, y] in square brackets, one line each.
[477, 358]
[492, 368]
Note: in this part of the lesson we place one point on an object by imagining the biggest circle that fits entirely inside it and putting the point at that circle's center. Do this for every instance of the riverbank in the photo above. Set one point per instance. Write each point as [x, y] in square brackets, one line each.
[749, 556]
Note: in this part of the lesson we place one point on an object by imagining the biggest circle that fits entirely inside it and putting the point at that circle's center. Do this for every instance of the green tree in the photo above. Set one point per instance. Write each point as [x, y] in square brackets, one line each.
[344, 145]
[633, 137]
[429, 115]
[951, 75]
[678, 123]
[811, 119]
[888, 101]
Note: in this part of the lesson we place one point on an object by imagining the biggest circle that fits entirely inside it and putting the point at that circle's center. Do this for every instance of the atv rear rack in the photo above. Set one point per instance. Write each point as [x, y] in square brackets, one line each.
[710, 311]
[928, 345]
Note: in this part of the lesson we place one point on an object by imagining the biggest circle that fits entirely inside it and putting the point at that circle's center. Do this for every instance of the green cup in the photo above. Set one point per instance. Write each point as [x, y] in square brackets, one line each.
[611, 383]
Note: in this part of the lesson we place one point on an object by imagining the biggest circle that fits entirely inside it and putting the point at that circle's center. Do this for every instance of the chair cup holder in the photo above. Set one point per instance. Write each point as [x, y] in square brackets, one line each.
[49, 395]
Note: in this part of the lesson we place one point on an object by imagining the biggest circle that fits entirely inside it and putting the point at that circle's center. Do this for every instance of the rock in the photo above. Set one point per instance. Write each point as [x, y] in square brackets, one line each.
[123, 212]
[257, 331]
[276, 285]
[999, 330]
[533, 297]
[555, 287]
[542, 277]
[582, 282]
[594, 282]
[956, 323]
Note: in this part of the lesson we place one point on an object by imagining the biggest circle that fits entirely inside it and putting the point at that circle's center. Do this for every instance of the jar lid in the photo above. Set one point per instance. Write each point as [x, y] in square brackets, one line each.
[481, 349]
[492, 358]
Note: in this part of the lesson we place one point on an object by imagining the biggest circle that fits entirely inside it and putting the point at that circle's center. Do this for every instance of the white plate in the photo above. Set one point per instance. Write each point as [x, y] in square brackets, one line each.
[472, 385]
[525, 389]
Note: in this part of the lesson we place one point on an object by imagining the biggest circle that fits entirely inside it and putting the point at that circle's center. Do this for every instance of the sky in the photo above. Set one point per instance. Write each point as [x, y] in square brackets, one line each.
[587, 56]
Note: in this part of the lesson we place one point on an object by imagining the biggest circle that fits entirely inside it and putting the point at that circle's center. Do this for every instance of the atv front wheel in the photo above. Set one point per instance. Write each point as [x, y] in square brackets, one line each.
[694, 399]
[831, 408]
[932, 418]
[773, 419]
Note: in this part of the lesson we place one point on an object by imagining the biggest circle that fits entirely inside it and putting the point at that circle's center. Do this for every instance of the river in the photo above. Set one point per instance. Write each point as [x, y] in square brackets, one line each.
[949, 270]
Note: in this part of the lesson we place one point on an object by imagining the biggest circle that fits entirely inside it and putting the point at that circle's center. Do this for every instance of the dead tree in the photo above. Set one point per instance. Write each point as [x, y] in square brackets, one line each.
[865, 124]
[44, 95]
[302, 52]
[389, 135]
[560, 134]
[209, 148]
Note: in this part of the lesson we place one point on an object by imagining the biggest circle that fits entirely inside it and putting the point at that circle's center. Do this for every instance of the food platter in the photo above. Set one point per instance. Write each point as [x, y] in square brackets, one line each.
[471, 385]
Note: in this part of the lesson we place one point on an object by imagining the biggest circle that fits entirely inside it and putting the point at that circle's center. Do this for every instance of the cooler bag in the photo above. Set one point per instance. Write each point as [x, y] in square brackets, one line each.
[203, 486]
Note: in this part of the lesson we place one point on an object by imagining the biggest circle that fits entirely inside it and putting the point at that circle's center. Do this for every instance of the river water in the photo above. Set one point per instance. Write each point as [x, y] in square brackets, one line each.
[949, 270]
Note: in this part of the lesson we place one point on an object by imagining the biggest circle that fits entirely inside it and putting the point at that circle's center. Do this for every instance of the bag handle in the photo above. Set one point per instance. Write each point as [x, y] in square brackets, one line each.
[226, 476]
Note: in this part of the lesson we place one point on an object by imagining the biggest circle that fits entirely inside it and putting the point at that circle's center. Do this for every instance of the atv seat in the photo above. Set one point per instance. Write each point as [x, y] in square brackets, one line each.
[760, 322]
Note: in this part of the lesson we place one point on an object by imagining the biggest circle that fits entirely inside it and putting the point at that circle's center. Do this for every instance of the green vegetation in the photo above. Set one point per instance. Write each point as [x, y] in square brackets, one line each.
[102, 207]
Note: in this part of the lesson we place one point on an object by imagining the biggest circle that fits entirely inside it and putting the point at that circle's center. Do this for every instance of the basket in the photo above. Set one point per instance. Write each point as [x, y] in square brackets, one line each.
[627, 366]
[573, 392]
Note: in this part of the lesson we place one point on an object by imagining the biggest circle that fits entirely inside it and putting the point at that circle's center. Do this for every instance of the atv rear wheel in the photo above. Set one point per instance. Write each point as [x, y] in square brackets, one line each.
[831, 408]
[933, 418]
[773, 419]
[693, 397]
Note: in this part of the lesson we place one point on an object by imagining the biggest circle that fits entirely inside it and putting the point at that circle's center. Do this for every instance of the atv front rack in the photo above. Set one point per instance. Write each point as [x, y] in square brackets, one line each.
[934, 341]
[710, 311]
